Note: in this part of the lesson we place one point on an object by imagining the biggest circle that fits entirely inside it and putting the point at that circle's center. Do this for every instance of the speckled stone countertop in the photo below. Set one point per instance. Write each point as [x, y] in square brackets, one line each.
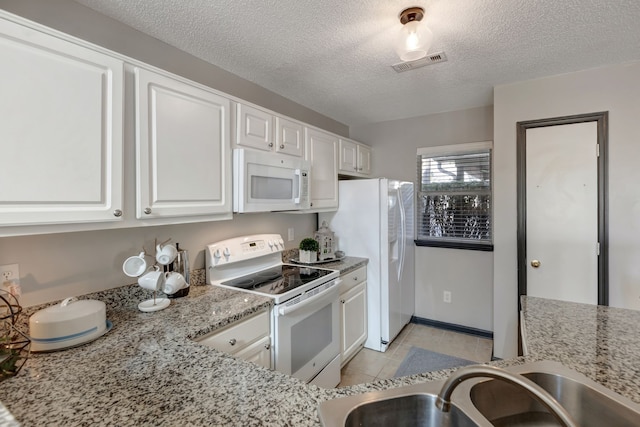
[148, 371]
[600, 342]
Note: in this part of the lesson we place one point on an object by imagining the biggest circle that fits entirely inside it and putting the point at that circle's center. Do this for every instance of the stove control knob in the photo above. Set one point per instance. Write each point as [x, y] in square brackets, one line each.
[270, 243]
[227, 252]
[216, 254]
[282, 243]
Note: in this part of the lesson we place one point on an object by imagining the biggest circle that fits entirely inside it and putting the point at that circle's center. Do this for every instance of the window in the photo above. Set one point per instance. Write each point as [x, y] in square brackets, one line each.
[454, 196]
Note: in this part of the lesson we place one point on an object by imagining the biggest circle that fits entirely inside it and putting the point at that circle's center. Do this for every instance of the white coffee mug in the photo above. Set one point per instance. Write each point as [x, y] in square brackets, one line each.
[166, 254]
[152, 280]
[135, 265]
[174, 282]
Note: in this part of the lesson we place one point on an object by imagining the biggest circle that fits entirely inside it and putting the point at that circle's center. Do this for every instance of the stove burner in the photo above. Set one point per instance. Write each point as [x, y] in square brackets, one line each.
[243, 283]
[277, 280]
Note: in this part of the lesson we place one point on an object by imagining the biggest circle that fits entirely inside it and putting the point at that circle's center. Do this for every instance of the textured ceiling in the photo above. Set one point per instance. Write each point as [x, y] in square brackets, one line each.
[334, 56]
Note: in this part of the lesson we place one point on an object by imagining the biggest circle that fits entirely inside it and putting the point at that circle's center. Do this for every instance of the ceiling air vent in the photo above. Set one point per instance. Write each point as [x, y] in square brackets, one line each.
[427, 60]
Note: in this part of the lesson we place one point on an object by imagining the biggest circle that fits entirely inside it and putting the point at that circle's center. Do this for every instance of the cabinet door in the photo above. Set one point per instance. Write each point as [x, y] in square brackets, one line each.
[348, 156]
[364, 159]
[289, 137]
[61, 137]
[258, 353]
[254, 128]
[321, 149]
[353, 319]
[183, 166]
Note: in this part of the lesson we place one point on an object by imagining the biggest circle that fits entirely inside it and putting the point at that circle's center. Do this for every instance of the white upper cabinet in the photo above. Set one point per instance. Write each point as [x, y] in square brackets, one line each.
[355, 158]
[289, 137]
[61, 132]
[183, 164]
[266, 131]
[321, 149]
[364, 159]
[254, 128]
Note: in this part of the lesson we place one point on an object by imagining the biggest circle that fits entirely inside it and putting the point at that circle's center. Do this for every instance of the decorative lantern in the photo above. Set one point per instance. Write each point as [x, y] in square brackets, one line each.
[326, 240]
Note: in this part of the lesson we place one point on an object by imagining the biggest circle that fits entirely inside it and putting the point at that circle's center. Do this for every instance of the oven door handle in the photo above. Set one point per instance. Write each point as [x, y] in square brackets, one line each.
[287, 309]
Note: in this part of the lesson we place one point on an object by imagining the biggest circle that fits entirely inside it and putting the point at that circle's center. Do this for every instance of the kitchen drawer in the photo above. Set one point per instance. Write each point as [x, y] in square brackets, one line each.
[239, 335]
[352, 278]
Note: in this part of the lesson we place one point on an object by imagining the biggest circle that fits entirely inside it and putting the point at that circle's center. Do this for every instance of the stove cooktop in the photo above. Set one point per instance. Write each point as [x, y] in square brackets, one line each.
[278, 280]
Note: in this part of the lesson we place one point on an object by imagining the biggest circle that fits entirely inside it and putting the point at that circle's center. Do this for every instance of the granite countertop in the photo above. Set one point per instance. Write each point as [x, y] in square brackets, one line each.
[600, 342]
[148, 371]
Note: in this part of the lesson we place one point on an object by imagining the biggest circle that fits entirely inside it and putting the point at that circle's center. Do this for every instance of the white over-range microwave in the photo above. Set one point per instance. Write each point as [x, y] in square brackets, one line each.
[266, 182]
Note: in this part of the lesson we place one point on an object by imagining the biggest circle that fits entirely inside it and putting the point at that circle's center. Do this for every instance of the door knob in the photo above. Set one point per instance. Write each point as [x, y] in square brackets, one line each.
[535, 263]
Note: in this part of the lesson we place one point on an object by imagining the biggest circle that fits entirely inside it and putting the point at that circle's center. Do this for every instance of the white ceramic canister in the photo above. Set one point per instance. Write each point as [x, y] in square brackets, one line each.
[68, 324]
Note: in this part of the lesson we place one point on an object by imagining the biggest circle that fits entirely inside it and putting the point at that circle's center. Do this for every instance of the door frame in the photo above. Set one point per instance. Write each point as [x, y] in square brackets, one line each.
[601, 118]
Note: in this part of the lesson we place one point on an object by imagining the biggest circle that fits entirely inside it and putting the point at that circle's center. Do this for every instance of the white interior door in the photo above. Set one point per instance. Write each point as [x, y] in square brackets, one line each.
[562, 212]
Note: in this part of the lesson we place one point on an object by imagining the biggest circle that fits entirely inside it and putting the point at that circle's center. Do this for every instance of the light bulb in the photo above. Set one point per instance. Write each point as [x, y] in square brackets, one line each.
[413, 41]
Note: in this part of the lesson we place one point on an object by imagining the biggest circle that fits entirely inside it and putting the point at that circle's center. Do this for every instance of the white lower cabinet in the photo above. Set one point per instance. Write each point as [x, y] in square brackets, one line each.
[353, 313]
[248, 339]
[258, 353]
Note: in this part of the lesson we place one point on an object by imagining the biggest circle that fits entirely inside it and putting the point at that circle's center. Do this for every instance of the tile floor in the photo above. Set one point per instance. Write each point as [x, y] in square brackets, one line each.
[369, 365]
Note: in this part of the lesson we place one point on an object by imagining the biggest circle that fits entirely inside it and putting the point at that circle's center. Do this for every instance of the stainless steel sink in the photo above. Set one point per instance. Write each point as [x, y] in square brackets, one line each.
[588, 403]
[482, 402]
[404, 406]
[416, 410]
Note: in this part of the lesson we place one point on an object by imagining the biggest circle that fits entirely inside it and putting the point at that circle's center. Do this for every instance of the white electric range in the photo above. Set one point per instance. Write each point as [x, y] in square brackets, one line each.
[305, 315]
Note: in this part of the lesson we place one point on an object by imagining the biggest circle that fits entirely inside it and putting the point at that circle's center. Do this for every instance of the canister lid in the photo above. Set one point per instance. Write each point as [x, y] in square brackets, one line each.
[69, 309]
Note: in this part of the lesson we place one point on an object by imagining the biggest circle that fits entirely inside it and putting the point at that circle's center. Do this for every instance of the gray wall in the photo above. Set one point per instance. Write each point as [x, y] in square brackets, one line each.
[56, 266]
[468, 275]
[85, 23]
[615, 89]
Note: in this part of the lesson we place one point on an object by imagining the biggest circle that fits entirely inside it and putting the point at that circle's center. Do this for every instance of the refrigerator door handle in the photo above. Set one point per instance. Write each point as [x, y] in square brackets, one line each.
[403, 227]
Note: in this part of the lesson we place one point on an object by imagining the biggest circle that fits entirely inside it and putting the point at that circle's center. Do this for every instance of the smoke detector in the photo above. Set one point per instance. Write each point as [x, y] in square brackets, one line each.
[433, 58]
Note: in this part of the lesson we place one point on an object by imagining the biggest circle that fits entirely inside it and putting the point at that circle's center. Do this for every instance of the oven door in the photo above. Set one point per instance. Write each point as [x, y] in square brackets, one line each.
[307, 335]
[264, 182]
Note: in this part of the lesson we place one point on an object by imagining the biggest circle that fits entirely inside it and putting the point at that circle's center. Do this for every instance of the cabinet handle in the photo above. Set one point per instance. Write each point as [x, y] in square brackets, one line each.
[281, 146]
[117, 213]
[355, 277]
[267, 346]
[271, 144]
[355, 169]
[147, 210]
[232, 341]
[342, 301]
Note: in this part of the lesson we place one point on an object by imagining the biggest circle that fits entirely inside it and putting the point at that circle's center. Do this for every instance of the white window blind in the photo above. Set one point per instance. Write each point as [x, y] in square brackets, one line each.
[454, 195]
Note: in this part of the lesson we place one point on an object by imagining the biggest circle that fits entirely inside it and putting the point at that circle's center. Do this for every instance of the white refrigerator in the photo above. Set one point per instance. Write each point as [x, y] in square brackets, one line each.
[376, 220]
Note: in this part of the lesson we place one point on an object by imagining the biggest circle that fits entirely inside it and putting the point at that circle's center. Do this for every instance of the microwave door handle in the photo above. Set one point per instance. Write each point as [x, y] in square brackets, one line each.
[296, 200]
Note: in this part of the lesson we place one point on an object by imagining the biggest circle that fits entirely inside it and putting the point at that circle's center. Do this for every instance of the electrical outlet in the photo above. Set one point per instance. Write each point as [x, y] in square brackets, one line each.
[446, 297]
[10, 273]
[291, 234]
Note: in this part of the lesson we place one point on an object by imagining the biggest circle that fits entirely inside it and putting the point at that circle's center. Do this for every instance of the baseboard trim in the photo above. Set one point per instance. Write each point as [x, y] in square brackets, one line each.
[452, 327]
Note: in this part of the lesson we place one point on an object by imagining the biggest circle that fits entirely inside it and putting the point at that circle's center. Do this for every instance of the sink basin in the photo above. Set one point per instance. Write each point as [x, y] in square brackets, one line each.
[412, 405]
[480, 402]
[416, 410]
[588, 403]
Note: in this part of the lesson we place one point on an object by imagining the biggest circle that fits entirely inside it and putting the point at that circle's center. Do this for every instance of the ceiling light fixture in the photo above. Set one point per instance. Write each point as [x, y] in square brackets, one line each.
[415, 38]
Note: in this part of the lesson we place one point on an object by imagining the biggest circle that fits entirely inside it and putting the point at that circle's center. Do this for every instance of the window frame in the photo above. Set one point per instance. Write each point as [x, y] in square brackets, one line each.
[451, 150]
